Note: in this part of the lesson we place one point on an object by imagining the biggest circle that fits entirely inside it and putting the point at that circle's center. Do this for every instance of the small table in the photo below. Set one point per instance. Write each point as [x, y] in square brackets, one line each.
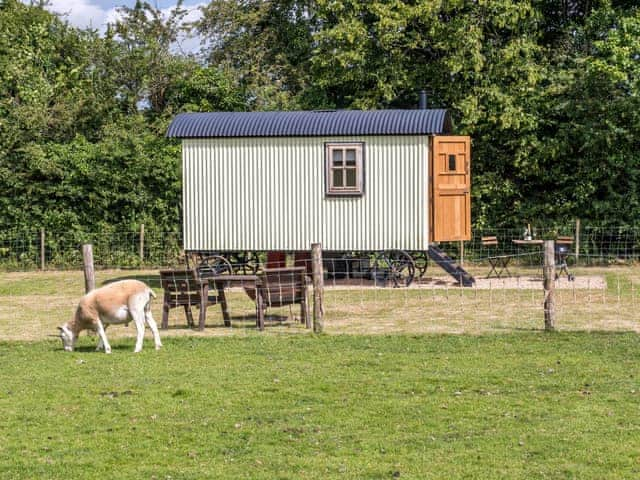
[220, 282]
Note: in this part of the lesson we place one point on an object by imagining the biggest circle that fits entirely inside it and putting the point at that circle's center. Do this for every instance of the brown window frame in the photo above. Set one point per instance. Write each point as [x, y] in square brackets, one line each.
[330, 168]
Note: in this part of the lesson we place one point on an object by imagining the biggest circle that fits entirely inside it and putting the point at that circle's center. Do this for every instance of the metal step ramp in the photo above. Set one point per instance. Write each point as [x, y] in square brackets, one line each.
[450, 266]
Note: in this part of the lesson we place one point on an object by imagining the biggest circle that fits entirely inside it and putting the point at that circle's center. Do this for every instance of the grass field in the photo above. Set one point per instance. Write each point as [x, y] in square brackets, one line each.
[517, 406]
[410, 383]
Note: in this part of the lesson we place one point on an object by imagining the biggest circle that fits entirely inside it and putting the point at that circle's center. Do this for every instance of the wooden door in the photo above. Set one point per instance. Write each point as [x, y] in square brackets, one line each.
[450, 189]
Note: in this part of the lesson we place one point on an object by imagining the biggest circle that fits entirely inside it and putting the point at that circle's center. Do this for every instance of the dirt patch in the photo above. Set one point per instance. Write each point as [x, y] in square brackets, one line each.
[590, 282]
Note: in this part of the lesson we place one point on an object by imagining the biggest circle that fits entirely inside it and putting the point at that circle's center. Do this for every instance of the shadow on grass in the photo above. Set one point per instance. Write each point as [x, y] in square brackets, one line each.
[519, 329]
[237, 321]
[92, 348]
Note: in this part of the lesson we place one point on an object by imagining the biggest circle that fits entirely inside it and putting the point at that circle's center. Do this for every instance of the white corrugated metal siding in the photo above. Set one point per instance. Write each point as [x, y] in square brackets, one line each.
[269, 194]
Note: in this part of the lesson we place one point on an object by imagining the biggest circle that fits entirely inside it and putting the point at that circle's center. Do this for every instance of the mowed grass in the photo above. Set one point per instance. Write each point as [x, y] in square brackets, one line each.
[513, 406]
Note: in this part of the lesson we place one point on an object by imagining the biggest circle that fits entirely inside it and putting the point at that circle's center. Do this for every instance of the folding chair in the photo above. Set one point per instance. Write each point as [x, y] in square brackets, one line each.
[562, 251]
[498, 263]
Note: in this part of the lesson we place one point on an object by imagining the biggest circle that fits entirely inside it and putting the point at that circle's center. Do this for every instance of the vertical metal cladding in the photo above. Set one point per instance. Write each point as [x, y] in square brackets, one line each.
[268, 193]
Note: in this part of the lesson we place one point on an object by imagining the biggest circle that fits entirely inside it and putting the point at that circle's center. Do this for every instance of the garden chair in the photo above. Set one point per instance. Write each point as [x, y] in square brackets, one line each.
[499, 263]
[183, 288]
[278, 287]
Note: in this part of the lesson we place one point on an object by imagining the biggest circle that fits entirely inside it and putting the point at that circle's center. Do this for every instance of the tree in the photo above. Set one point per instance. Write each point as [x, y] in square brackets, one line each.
[482, 60]
[50, 91]
[206, 89]
[590, 142]
[142, 58]
[265, 45]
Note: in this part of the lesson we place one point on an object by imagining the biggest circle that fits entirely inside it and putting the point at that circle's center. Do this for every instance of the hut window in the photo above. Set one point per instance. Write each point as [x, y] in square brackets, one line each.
[344, 168]
[452, 163]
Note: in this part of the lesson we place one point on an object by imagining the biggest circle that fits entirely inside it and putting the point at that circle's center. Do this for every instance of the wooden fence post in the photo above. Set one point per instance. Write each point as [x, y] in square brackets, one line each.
[577, 240]
[141, 242]
[42, 252]
[318, 287]
[89, 272]
[549, 272]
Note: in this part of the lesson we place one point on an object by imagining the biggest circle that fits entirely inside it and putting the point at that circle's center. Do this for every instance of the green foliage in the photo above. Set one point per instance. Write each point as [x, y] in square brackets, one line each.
[593, 109]
[265, 45]
[206, 89]
[144, 64]
[83, 119]
[547, 90]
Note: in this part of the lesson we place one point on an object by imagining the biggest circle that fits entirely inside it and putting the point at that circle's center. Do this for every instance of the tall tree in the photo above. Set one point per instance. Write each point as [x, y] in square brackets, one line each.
[83, 118]
[590, 140]
[50, 91]
[264, 44]
[142, 41]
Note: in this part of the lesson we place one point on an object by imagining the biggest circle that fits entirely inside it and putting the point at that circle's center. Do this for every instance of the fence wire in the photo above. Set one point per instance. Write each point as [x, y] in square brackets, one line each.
[31, 249]
[600, 297]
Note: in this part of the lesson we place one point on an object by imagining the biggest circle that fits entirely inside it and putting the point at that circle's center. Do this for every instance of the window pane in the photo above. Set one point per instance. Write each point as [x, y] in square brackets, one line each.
[350, 156]
[337, 158]
[344, 168]
[351, 177]
[452, 163]
[337, 178]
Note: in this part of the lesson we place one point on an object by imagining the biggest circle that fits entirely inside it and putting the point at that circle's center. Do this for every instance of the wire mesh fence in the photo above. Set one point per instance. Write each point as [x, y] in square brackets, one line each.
[30, 249]
[365, 292]
[43, 249]
[591, 245]
[600, 297]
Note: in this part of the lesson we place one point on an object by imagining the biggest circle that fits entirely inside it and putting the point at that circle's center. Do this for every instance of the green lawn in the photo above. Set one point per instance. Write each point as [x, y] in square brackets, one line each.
[520, 405]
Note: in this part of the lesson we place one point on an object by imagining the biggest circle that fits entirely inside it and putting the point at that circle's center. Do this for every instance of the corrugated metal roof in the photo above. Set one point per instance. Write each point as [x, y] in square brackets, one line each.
[310, 123]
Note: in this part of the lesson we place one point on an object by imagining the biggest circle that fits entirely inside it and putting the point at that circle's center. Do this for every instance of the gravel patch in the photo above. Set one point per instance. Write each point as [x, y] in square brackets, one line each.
[590, 282]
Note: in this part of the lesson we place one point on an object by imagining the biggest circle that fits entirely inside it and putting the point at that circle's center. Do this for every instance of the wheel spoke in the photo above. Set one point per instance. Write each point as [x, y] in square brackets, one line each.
[244, 262]
[214, 265]
[394, 265]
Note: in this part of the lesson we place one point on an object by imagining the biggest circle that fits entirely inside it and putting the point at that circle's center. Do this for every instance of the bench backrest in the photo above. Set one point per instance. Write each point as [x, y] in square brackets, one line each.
[490, 241]
[283, 286]
[178, 282]
[567, 240]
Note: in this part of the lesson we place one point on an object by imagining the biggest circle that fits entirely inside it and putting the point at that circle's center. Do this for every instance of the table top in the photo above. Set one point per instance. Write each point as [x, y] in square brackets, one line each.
[232, 278]
[528, 242]
[239, 280]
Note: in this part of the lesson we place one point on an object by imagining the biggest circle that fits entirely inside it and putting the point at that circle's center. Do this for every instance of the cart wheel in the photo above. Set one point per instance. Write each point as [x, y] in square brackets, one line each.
[245, 262]
[214, 265]
[421, 262]
[396, 266]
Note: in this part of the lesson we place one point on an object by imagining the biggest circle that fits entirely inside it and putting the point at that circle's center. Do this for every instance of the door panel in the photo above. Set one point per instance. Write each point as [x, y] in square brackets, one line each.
[450, 174]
